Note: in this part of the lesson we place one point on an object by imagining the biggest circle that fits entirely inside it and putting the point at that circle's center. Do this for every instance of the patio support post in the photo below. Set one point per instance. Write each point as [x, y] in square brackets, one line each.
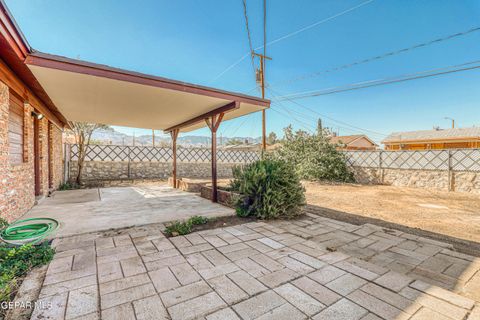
[213, 123]
[174, 135]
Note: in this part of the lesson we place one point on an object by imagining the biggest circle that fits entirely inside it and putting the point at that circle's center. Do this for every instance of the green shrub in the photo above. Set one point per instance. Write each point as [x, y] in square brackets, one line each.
[177, 228]
[16, 262]
[3, 223]
[267, 189]
[313, 156]
[196, 220]
[68, 186]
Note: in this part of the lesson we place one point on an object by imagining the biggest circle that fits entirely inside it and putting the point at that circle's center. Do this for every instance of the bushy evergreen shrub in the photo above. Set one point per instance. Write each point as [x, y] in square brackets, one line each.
[267, 189]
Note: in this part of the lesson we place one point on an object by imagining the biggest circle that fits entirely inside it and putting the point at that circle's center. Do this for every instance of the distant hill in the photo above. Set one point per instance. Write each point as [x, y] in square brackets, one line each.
[111, 136]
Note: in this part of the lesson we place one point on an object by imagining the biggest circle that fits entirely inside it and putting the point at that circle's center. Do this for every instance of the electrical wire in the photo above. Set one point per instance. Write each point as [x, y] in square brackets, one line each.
[245, 14]
[378, 57]
[264, 34]
[383, 81]
[291, 34]
[309, 118]
[290, 118]
[325, 116]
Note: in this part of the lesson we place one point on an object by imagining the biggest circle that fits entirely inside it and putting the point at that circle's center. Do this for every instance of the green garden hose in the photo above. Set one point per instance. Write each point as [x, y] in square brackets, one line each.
[32, 230]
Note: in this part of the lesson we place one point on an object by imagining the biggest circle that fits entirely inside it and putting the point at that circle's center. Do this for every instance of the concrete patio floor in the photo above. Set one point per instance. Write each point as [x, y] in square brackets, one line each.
[315, 268]
[91, 210]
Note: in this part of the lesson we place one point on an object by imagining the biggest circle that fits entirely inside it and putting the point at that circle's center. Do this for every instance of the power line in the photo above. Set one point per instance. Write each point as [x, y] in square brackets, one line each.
[313, 25]
[291, 34]
[305, 118]
[308, 118]
[348, 129]
[245, 14]
[265, 28]
[290, 118]
[384, 81]
[327, 117]
[379, 57]
[293, 117]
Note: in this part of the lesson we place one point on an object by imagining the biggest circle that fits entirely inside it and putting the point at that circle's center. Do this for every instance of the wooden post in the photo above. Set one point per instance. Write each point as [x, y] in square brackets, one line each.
[213, 123]
[262, 85]
[174, 134]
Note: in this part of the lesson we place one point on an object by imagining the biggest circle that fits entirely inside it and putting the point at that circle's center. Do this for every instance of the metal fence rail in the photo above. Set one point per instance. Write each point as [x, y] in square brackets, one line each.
[160, 154]
[447, 160]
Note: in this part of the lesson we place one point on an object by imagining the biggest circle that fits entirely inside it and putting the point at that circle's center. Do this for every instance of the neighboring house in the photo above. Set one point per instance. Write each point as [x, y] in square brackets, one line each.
[354, 142]
[30, 128]
[456, 138]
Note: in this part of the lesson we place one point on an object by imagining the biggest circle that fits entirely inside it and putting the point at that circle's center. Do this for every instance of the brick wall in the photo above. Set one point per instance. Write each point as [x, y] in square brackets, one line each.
[17, 187]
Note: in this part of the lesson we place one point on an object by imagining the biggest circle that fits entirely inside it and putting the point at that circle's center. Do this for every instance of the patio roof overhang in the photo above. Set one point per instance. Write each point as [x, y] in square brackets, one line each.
[89, 92]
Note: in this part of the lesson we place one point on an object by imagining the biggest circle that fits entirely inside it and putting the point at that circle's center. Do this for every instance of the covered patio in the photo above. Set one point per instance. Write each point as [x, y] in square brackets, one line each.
[88, 92]
[100, 209]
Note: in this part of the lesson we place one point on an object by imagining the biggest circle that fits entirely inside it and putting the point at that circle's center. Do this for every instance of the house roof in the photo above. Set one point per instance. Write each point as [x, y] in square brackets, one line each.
[349, 139]
[74, 90]
[472, 133]
[14, 48]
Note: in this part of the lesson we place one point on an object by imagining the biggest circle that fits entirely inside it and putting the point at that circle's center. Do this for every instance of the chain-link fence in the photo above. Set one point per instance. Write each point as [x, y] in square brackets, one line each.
[160, 154]
[454, 160]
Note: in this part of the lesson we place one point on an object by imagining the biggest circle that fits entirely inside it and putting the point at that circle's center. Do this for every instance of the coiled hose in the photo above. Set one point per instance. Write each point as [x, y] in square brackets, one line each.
[32, 230]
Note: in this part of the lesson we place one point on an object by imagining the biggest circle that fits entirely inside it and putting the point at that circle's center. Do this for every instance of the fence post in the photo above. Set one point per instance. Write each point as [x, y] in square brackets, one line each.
[449, 172]
[128, 165]
[380, 165]
[66, 162]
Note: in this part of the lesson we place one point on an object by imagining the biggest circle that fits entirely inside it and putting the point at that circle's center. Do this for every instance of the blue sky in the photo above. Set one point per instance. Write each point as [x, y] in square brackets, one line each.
[195, 41]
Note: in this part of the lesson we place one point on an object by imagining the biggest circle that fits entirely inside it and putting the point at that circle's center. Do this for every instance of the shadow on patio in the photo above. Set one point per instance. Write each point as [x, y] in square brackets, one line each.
[93, 210]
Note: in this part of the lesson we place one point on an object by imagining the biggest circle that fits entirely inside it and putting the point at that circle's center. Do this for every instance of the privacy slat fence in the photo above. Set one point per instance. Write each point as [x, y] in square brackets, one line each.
[445, 160]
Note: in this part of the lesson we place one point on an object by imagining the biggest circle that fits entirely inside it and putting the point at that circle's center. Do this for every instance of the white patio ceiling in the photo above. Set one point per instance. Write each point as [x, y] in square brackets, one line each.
[95, 93]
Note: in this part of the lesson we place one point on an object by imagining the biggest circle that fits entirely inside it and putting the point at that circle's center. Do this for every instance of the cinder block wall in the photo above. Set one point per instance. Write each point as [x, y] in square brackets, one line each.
[461, 181]
[118, 170]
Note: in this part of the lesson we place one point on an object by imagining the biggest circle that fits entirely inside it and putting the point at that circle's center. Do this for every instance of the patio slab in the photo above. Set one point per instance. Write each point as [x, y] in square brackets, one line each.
[315, 268]
[92, 210]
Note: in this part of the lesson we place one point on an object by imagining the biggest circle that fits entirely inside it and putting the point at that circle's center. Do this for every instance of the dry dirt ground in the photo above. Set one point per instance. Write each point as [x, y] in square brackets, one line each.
[448, 213]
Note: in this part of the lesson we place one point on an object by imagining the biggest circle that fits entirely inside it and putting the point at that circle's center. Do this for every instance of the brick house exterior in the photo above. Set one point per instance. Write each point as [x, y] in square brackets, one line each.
[30, 148]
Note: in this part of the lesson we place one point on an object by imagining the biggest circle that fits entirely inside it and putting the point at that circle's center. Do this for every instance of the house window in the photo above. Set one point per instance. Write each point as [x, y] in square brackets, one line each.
[16, 127]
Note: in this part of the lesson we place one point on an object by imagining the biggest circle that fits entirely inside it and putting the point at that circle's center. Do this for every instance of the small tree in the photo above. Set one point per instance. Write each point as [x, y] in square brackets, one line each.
[272, 138]
[313, 156]
[83, 133]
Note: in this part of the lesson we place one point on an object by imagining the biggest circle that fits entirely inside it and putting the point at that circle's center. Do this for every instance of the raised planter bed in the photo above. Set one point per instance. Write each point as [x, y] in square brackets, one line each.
[189, 185]
[223, 196]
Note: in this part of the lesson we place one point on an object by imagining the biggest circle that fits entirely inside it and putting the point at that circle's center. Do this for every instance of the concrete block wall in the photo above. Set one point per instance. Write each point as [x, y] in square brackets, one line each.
[461, 181]
[119, 170]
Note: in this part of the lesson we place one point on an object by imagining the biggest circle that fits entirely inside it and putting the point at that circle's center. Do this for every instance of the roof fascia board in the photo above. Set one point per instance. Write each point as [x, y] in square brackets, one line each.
[459, 139]
[87, 68]
[12, 33]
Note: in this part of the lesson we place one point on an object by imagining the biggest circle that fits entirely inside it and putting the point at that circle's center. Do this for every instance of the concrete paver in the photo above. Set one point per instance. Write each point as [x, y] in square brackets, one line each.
[260, 270]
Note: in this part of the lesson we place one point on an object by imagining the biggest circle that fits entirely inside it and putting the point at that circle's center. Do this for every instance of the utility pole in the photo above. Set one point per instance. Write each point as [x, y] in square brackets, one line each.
[153, 138]
[261, 79]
